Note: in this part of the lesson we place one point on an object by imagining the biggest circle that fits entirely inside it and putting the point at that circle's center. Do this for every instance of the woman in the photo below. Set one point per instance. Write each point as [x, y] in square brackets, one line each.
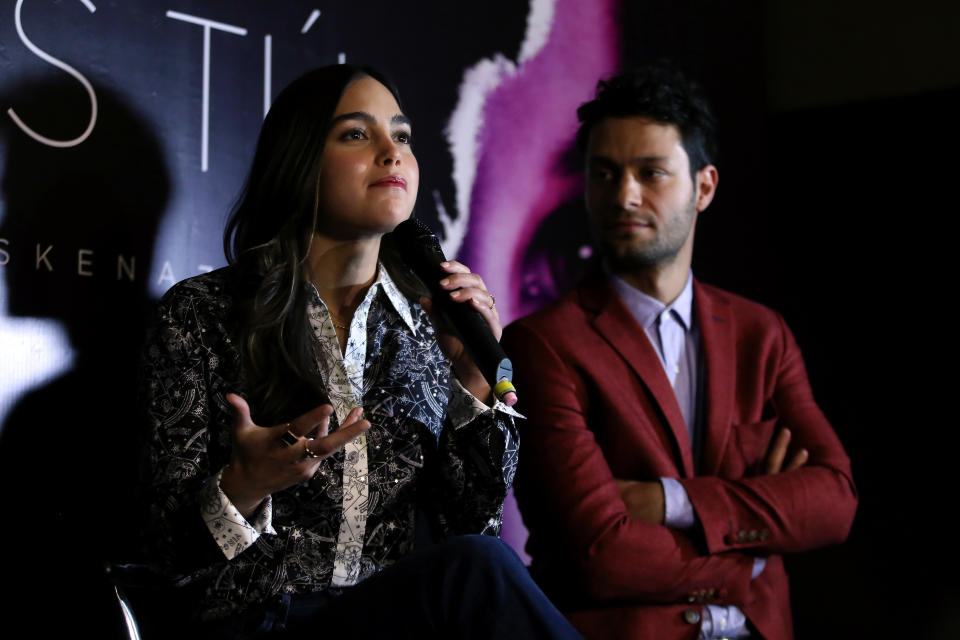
[308, 426]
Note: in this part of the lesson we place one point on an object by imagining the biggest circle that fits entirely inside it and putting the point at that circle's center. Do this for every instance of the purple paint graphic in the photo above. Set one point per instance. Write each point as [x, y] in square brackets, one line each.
[526, 126]
[509, 135]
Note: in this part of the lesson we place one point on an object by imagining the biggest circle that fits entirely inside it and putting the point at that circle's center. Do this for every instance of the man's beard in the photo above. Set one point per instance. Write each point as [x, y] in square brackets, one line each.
[627, 256]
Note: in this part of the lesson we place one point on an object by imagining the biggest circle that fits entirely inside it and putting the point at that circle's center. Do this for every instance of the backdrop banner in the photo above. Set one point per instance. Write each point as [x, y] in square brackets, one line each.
[127, 130]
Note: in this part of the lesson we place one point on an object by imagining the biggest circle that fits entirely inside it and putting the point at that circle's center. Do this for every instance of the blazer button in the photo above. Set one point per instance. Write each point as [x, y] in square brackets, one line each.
[741, 536]
[764, 534]
[754, 535]
[691, 616]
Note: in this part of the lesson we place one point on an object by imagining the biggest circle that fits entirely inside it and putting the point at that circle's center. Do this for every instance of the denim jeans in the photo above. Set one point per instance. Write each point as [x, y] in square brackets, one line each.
[468, 587]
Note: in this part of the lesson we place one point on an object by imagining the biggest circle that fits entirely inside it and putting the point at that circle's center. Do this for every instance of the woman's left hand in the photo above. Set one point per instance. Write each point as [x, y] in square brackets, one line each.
[466, 287]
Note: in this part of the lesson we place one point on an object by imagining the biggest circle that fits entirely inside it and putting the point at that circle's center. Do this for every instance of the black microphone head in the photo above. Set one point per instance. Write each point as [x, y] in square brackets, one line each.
[420, 249]
[412, 233]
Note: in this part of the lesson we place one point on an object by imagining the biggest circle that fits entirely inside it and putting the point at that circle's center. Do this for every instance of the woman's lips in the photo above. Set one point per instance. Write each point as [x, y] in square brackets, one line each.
[391, 181]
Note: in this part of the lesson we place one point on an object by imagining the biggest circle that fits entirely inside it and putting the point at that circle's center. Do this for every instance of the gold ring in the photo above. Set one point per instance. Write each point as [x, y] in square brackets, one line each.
[308, 453]
[493, 300]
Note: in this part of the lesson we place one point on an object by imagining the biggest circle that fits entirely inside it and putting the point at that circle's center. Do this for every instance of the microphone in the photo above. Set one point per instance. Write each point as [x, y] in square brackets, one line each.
[421, 251]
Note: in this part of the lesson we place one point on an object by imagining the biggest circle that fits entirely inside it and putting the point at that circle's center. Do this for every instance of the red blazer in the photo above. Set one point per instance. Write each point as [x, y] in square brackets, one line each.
[600, 407]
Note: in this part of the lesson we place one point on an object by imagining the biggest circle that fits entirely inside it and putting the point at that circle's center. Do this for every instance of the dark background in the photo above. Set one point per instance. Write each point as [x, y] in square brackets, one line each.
[838, 133]
[838, 161]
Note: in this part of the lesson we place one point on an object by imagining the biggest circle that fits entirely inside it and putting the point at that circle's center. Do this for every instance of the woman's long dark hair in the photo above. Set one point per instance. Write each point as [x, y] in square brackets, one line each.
[268, 237]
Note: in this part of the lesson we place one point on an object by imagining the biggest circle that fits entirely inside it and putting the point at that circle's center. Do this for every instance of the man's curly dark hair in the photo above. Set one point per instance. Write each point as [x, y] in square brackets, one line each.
[661, 93]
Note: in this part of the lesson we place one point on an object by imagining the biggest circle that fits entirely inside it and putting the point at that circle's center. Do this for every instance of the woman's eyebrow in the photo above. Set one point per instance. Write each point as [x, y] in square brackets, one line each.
[368, 118]
[354, 115]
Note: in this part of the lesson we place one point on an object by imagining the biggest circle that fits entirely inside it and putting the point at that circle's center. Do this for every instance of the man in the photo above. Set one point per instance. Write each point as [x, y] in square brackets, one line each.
[673, 449]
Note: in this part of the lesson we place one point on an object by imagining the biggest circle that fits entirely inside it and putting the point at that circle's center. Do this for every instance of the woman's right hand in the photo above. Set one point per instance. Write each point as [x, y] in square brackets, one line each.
[263, 463]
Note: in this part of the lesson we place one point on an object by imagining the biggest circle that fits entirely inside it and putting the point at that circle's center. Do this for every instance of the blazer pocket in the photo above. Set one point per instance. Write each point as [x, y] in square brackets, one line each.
[753, 439]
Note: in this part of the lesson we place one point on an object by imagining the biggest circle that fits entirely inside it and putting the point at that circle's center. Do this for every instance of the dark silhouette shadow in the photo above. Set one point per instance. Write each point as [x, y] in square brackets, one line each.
[69, 450]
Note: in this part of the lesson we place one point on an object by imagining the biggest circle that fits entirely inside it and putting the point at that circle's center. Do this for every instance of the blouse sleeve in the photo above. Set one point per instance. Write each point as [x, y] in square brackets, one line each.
[182, 392]
[232, 532]
[477, 459]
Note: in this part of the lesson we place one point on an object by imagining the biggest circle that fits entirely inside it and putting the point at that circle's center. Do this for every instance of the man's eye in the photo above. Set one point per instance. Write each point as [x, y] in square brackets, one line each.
[403, 137]
[653, 174]
[601, 175]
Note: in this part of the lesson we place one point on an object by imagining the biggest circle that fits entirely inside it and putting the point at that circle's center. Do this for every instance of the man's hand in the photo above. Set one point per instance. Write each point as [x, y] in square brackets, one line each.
[644, 500]
[777, 453]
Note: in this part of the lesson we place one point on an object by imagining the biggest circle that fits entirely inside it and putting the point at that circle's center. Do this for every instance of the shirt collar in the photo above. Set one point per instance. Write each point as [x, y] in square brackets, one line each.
[399, 301]
[385, 283]
[646, 309]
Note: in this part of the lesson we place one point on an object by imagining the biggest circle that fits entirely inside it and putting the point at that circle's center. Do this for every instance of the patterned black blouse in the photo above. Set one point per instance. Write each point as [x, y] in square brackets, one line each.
[431, 445]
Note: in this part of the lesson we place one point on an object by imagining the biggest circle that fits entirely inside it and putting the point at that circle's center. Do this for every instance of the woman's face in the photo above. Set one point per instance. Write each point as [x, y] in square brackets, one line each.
[368, 175]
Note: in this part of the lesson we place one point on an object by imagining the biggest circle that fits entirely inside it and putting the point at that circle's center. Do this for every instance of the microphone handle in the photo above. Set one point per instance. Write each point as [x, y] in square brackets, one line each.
[465, 321]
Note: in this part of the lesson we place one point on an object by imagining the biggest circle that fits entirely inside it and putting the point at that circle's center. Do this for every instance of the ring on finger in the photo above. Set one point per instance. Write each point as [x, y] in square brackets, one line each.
[308, 453]
[493, 300]
[289, 438]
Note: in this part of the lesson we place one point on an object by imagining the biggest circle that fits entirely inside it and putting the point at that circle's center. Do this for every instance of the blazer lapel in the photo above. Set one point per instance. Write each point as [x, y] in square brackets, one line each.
[720, 359]
[616, 325]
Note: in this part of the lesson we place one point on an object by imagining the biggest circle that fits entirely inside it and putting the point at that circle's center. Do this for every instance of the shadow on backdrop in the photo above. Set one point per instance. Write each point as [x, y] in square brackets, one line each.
[69, 449]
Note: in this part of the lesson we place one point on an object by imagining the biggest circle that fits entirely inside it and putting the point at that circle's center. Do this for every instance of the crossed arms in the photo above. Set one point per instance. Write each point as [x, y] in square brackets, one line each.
[606, 513]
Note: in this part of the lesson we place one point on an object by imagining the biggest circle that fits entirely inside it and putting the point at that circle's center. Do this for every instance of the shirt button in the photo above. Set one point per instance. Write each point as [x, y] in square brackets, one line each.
[691, 616]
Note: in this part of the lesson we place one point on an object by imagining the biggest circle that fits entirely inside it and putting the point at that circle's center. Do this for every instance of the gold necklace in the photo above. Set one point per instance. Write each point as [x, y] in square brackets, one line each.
[334, 320]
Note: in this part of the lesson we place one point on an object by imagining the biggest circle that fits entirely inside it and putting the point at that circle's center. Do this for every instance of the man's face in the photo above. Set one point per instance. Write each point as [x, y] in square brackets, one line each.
[642, 200]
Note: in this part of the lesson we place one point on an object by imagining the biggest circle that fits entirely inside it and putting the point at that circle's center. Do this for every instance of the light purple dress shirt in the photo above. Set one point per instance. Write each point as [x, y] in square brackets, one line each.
[672, 330]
